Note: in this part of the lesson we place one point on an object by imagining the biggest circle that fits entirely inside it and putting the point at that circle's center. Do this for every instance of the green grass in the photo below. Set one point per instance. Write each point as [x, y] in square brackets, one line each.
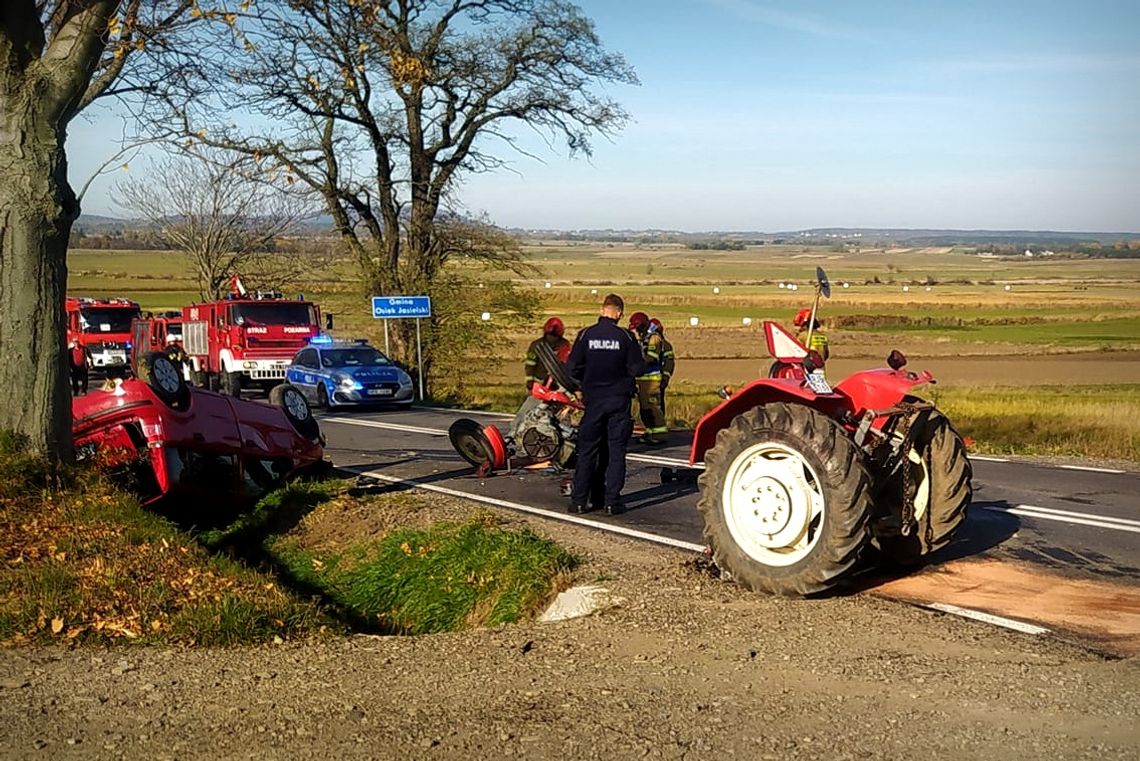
[1101, 422]
[445, 577]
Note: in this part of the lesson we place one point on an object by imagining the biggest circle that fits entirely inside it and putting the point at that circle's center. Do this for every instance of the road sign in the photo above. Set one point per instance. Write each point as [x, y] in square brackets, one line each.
[400, 307]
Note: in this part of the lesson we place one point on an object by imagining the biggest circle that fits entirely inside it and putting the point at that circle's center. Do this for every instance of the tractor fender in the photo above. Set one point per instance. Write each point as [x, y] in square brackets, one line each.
[879, 389]
[756, 393]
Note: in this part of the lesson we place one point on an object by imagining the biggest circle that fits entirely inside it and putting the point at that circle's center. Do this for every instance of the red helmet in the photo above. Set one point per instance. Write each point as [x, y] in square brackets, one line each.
[554, 325]
[802, 317]
[638, 321]
[657, 325]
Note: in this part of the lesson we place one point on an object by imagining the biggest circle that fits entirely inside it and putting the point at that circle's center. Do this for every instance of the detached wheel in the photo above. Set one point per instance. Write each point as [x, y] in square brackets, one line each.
[292, 402]
[165, 380]
[940, 486]
[470, 442]
[786, 499]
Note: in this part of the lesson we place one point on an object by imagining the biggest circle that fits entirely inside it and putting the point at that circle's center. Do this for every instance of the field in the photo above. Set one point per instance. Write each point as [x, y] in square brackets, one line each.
[1041, 335]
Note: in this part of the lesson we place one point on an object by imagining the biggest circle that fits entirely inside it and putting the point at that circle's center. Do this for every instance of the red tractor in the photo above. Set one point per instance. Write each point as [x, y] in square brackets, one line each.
[246, 339]
[800, 477]
[103, 328]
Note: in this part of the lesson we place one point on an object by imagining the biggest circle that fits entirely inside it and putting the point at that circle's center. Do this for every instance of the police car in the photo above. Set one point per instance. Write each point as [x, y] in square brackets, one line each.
[342, 373]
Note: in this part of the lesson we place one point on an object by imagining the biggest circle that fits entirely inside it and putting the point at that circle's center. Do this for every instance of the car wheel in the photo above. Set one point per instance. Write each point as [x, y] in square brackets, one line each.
[231, 384]
[322, 397]
[293, 403]
[164, 379]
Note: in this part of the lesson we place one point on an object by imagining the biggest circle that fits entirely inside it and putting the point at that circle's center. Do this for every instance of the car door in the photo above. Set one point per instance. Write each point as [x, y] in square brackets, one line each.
[300, 373]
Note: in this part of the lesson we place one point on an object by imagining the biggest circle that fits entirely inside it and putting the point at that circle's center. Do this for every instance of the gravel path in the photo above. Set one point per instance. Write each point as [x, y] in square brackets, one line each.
[687, 668]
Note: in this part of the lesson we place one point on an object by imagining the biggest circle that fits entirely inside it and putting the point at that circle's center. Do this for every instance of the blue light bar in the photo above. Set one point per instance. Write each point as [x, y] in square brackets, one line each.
[321, 339]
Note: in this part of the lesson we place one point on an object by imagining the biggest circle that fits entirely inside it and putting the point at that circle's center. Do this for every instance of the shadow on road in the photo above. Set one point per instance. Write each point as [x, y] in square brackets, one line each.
[987, 527]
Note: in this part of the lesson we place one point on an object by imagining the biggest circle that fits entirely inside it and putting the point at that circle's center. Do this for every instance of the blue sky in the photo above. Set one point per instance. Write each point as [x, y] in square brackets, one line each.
[781, 115]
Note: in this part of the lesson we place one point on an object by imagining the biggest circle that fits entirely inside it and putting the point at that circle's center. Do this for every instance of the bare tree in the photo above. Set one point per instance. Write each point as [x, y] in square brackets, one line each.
[381, 106]
[223, 216]
[56, 58]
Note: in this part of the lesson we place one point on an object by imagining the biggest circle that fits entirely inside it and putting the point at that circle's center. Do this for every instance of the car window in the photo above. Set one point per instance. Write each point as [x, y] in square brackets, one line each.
[357, 356]
[307, 358]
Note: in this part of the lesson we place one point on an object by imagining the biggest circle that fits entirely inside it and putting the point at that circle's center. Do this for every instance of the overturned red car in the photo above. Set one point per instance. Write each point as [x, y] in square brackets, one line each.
[176, 440]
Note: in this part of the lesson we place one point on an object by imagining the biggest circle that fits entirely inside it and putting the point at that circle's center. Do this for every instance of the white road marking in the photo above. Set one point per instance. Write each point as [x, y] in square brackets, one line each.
[1067, 516]
[386, 426]
[988, 618]
[1091, 469]
[986, 459]
[567, 517]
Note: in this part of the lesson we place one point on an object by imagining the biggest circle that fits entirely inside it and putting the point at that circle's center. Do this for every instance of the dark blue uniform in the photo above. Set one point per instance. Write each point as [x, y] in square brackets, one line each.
[605, 360]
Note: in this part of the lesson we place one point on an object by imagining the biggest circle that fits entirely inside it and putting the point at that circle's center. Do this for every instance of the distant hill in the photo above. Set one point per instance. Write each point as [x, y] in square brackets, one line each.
[96, 224]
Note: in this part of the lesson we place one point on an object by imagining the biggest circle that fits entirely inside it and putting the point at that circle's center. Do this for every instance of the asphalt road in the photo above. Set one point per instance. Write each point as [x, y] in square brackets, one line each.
[1081, 525]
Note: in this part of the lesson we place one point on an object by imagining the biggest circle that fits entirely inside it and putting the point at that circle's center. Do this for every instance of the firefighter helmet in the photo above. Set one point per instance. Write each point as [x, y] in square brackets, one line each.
[657, 327]
[802, 318]
[638, 321]
[554, 326]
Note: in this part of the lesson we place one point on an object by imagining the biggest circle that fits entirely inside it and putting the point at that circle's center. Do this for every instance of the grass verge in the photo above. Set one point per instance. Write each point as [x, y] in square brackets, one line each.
[443, 577]
[1092, 422]
[81, 561]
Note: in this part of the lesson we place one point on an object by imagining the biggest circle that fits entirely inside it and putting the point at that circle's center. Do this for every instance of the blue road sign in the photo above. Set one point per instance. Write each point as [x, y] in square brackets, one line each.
[386, 307]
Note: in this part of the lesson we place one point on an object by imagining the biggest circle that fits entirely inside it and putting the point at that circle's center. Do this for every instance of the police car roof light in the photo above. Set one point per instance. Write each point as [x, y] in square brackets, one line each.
[321, 339]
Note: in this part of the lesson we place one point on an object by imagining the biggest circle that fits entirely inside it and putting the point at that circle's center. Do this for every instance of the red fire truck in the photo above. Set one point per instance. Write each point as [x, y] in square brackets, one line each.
[248, 338]
[103, 328]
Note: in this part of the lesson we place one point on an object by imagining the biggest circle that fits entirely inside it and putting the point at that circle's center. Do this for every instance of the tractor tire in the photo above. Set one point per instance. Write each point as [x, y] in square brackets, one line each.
[165, 380]
[950, 474]
[786, 500]
[231, 384]
[296, 408]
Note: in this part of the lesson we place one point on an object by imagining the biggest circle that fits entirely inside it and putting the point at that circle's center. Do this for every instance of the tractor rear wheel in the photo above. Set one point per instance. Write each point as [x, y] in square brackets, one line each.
[786, 499]
[941, 487]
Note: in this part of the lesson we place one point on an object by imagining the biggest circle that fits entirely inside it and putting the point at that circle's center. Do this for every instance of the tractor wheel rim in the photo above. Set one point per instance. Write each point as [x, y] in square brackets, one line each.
[296, 405]
[165, 376]
[773, 504]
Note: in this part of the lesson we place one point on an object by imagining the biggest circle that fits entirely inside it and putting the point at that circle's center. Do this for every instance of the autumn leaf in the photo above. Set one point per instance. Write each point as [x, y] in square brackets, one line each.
[56, 625]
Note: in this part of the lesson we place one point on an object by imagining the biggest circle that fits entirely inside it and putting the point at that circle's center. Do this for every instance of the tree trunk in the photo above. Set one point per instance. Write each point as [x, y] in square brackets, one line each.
[37, 209]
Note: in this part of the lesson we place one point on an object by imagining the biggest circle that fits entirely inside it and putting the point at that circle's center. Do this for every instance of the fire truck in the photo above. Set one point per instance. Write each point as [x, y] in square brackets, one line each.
[246, 339]
[103, 328]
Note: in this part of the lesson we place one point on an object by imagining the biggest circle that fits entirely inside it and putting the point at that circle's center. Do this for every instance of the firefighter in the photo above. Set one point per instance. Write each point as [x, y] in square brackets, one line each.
[77, 367]
[536, 369]
[649, 382]
[605, 362]
[818, 339]
[668, 361]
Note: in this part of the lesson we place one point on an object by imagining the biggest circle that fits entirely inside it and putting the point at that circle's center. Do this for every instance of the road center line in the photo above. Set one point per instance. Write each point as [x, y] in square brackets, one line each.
[1064, 516]
[984, 458]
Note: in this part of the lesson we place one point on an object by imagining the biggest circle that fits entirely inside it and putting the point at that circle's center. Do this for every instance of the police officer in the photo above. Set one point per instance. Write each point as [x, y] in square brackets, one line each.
[668, 361]
[649, 382]
[605, 361]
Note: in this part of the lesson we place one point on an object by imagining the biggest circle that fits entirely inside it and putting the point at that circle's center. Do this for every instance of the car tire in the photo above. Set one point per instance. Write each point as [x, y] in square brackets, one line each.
[164, 379]
[231, 384]
[323, 397]
[292, 402]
